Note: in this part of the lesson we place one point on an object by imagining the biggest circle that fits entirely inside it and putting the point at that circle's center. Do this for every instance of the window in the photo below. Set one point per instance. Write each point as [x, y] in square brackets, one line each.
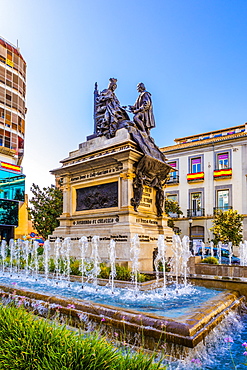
[196, 201]
[173, 197]
[196, 209]
[196, 165]
[8, 100]
[1, 115]
[223, 199]
[2, 75]
[173, 175]
[223, 161]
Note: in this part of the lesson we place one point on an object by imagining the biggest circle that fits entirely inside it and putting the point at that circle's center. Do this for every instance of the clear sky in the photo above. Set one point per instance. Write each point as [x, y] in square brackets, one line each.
[191, 55]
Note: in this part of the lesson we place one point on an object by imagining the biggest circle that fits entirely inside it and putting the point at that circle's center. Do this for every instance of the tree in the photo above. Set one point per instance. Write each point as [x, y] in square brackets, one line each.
[171, 206]
[46, 207]
[227, 227]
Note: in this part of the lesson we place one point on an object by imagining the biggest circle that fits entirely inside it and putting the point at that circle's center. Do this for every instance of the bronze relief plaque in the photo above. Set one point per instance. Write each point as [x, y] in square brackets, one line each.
[98, 196]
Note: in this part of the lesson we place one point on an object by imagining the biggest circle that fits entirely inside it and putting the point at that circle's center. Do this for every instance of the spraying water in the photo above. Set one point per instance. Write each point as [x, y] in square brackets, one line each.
[112, 256]
[243, 253]
[26, 256]
[3, 253]
[66, 247]
[230, 252]
[83, 244]
[12, 254]
[203, 250]
[34, 256]
[212, 249]
[161, 258]
[47, 248]
[176, 260]
[219, 252]
[18, 256]
[57, 254]
[134, 257]
[185, 255]
[194, 247]
[96, 260]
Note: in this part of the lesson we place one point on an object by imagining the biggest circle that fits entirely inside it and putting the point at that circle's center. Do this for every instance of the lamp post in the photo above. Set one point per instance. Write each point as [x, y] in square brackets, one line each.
[190, 226]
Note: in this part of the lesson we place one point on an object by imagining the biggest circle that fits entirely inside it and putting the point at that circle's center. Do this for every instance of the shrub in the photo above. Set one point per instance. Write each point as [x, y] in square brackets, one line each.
[31, 344]
[211, 260]
[40, 250]
[75, 267]
[122, 273]
[104, 271]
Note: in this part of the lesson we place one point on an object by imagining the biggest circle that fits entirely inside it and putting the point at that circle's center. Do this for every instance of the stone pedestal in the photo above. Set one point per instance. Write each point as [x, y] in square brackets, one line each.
[97, 183]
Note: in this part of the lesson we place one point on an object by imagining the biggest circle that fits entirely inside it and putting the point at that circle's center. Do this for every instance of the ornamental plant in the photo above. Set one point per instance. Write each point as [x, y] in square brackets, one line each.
[227, 227]
[171, 206]
[210, 260]
[31, 344]
[46, 207]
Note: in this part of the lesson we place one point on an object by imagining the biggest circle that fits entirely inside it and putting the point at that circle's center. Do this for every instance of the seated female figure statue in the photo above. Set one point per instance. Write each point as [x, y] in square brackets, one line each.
[108, 112]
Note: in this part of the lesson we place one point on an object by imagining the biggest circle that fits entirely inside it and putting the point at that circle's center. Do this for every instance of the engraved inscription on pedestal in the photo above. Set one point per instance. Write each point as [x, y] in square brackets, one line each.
[96, 197]
[147, 197]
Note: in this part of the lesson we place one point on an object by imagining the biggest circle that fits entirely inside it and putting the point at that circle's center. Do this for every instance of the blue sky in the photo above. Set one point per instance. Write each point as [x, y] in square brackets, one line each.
[191, 55]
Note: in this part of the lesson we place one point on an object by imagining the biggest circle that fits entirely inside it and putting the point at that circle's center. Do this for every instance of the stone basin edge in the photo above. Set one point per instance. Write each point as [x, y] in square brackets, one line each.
[188, 330]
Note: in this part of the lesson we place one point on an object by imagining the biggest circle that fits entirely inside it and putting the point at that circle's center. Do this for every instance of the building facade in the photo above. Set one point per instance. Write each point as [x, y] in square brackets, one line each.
[12, 132]
[210, 174]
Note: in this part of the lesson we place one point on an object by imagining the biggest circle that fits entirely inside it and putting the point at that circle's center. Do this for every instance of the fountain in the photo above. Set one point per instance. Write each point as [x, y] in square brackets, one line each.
[144, 312]
[83, 244]
[57, 255]
[112, 257]
[12, 254]
[230, 252]
[96, 261]
[3, 253]
[161, 258]
[185, 256]
[134, 257]
[243, 253]
[176, 260]
[219, 251]
[47, 248]
[212, 249]
[203, 250]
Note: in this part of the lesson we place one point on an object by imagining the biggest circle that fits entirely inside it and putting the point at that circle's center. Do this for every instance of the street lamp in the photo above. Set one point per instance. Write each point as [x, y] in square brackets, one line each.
[190, 226]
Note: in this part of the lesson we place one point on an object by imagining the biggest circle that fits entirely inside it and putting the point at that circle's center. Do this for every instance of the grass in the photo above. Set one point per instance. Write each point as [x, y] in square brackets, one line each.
[29, 343]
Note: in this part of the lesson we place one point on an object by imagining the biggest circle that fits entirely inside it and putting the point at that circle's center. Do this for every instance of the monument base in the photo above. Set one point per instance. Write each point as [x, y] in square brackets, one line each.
[97, 183]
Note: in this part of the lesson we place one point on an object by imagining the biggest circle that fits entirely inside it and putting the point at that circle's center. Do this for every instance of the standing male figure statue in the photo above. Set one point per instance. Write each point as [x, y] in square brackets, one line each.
[143, 110]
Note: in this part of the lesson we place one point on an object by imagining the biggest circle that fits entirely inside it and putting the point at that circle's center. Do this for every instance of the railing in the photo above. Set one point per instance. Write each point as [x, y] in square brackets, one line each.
[224, 208]
[195, 176]
[173, 215]
[223, 172]
[196, 212]
[173, 179]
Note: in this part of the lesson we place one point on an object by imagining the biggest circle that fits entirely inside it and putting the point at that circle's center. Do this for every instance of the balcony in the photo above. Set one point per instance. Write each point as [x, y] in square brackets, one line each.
[173, 215]
[195, 212]
[223, 209]
[195, 177]
[222, 173]
[172, 179]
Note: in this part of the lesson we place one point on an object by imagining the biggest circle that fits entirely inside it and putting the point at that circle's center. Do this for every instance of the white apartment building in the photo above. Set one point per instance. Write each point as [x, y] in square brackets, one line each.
[211, 174]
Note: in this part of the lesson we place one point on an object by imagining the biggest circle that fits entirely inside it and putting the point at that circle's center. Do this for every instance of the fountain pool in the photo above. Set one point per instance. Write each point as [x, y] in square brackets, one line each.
[179, 316]
[181, 319]
[174, 304]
